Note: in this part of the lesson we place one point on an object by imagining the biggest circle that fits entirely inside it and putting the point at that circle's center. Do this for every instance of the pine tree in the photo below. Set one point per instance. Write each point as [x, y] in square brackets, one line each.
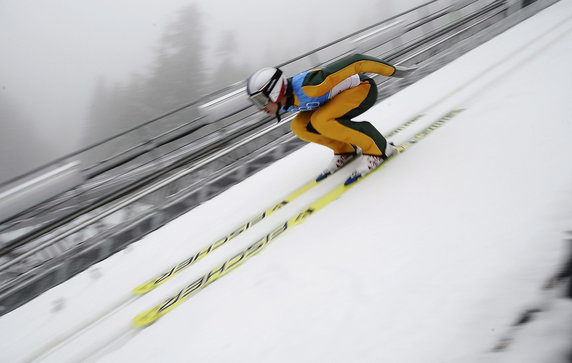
[176, 79]
[178, 74]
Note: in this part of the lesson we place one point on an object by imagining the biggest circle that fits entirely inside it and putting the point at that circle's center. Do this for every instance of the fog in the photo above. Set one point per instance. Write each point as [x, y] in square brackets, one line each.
[73, 72]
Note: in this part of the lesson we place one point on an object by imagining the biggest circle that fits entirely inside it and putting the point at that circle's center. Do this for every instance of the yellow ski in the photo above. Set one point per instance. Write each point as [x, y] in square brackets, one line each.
[150, 316]
[165, 276]
[174, 270]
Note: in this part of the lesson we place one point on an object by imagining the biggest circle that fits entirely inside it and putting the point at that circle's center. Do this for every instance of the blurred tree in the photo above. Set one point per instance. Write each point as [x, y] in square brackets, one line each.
[178, 75]
[101, 113]
[228, 71]
[15, 129]
[177, 78]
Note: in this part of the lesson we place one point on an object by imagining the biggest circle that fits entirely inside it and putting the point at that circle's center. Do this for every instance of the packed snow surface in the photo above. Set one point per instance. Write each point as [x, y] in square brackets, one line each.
[428, 260]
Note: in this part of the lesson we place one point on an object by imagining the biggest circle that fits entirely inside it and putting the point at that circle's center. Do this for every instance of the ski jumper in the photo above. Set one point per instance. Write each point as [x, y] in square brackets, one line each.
[330, 97]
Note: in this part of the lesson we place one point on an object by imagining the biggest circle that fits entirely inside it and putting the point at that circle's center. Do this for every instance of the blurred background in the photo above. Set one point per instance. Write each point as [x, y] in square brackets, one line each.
[73, 73]
[111, 128]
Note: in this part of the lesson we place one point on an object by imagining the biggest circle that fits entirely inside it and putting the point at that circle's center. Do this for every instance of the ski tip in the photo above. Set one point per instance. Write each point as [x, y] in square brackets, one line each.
[144, 288]
[145, 319]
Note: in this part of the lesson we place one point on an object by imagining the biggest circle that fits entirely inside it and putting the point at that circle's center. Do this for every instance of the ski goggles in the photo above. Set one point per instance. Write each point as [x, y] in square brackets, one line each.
[261, 98]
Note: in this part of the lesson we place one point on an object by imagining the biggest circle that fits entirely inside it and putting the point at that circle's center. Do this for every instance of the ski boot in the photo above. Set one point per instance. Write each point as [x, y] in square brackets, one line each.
[368, 163]
[338, 161]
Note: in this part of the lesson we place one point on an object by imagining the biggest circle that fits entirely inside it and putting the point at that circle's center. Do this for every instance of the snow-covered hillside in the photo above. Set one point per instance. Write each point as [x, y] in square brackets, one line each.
[428, 260]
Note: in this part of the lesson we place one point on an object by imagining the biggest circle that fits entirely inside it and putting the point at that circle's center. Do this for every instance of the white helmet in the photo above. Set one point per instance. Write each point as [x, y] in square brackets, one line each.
[264, 85]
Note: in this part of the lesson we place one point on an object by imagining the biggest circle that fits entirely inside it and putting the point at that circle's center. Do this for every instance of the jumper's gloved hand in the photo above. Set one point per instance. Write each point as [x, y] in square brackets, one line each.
[401, 72]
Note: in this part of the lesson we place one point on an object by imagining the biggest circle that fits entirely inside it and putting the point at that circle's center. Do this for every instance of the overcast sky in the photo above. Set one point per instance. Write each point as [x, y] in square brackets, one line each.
[53, 51]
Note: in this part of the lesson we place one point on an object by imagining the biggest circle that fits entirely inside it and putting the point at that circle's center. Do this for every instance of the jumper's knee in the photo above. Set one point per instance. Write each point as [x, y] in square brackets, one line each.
[319, 123]
[298, 124]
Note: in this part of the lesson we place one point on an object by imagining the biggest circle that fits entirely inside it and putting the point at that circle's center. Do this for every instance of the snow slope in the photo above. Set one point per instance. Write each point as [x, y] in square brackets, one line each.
[428, 260]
